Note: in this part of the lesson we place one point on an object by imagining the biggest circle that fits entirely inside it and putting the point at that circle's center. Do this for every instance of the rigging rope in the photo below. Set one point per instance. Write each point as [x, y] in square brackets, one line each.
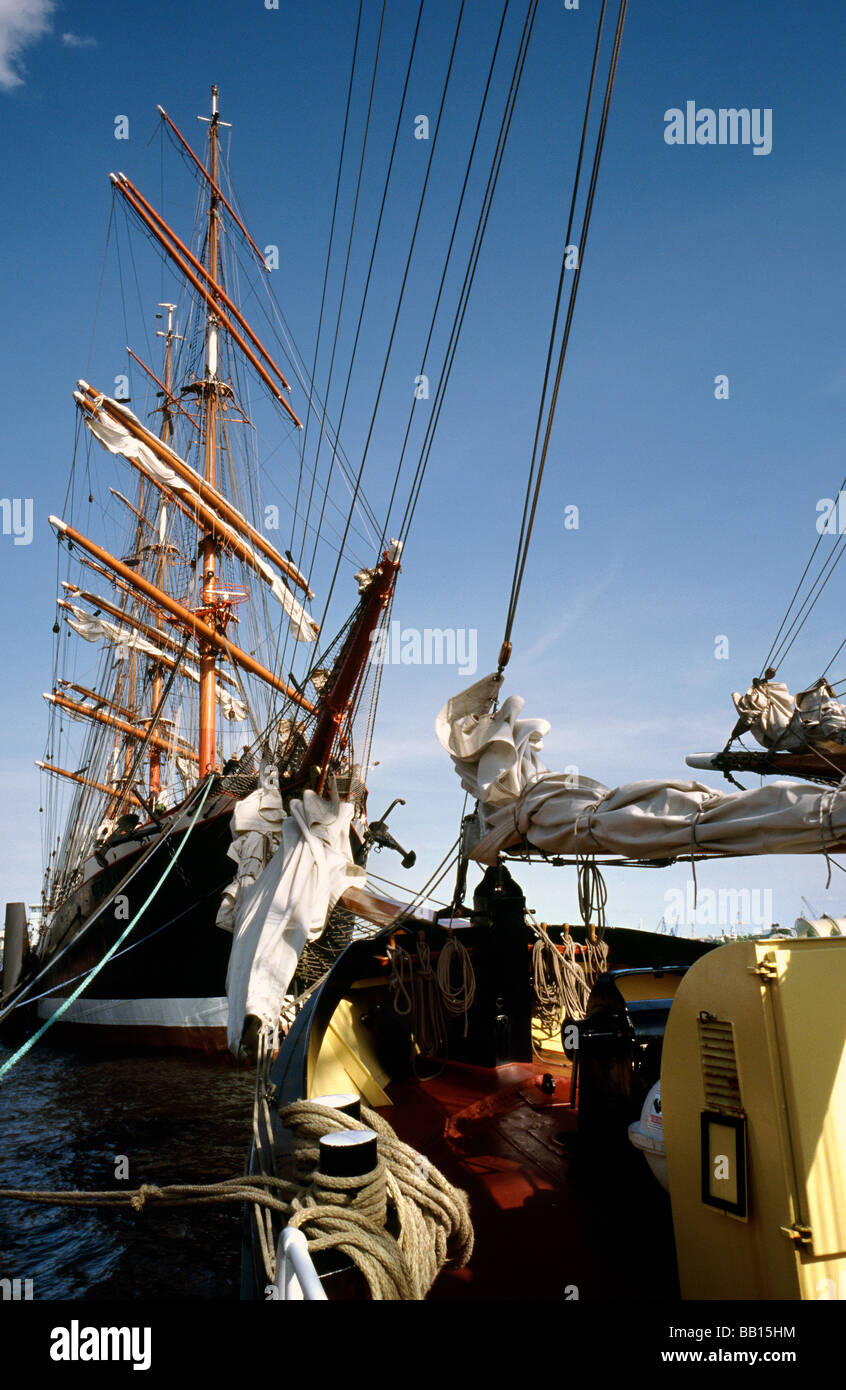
[404, 283]
[447, 258]
[532, 495]
[469, 276]
[593, 893]
[344, 278]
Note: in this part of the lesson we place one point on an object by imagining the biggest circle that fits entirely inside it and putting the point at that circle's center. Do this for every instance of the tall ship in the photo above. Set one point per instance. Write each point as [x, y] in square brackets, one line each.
[194, 686]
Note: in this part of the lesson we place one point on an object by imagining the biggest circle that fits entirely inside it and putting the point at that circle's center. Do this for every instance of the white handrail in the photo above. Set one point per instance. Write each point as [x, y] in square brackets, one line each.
[296, 1276]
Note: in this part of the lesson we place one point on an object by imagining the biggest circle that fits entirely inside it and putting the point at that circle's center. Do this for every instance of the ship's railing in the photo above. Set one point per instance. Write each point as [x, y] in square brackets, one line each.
[296, 1276]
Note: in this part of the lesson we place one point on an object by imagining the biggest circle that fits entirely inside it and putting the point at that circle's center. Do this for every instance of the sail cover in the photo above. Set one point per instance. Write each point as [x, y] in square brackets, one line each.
[274, 910]
[497, 758]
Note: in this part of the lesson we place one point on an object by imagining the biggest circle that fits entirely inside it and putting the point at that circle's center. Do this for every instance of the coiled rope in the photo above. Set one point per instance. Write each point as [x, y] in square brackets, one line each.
[593, 893]
[424, 995]
[595, 959]
[456, 998]
[559, 983]
[433, 1216]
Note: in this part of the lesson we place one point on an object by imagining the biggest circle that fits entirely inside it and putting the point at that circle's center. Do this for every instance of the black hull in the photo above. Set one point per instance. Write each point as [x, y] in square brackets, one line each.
[166, 984]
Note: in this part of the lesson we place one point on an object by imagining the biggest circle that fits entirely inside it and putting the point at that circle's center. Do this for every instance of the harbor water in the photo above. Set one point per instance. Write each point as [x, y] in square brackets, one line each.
[82, 1120]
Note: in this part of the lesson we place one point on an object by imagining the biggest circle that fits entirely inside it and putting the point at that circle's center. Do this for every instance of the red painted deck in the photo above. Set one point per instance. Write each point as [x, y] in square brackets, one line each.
[551, 1221]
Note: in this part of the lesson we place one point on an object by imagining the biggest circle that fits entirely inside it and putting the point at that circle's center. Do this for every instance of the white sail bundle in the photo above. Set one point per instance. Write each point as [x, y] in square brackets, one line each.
[124, 640]
[256, 828]
[286, 905]
[118, 440]
[496, 757]
[779, 721]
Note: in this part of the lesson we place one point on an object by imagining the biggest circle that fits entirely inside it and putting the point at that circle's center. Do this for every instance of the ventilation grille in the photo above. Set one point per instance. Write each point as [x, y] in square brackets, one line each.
[719, 1066]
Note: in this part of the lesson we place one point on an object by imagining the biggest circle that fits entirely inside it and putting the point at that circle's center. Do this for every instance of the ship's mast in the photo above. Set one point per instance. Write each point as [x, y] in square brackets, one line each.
[208, 654]
[165, 434]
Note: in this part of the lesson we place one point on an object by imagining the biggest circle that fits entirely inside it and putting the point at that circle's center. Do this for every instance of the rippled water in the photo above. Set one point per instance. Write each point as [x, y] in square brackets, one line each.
[65, 1117]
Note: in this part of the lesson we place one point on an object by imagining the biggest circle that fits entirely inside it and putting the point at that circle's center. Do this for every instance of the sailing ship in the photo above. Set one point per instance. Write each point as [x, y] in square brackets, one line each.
[192, 613]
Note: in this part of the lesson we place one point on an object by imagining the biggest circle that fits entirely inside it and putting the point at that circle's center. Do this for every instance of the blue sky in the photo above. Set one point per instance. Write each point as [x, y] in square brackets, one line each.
[696, 515]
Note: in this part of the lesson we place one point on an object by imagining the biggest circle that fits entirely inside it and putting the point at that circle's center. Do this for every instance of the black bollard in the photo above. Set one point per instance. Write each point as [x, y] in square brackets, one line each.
[349, 1153]
[346, 1101]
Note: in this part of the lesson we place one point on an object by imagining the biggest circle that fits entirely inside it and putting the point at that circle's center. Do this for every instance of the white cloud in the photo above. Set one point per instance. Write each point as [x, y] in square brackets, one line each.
[21, 23]
[79, 41]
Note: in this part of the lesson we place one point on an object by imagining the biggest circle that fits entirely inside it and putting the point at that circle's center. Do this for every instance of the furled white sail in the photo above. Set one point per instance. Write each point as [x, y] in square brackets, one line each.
[287, 903]
[782, 723]
[256, 828]
[496, 757]
[118, 440]
[124, 640]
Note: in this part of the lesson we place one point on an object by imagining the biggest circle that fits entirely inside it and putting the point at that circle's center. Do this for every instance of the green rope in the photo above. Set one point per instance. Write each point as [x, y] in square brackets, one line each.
[66, 1003]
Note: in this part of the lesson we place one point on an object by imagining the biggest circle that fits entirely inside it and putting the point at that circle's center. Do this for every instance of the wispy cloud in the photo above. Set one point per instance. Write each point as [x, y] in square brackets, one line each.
[576, 606]
[79, 41]
[21, 23]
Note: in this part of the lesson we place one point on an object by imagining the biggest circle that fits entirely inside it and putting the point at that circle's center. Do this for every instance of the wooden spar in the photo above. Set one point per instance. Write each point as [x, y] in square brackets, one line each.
[214, 285]
[88, 782]
[122, 710]
[125, 500]
[119, 584]
[209, 495]
[199, 512]
[180, 613]
[114, 722]
[154, 634]
[172, 400]
[206, 294]
[337, 702]
[217, 191]
[208, 708]
[160, 656]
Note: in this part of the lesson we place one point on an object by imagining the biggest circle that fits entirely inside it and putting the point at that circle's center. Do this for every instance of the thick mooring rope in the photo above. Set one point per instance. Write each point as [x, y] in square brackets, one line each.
[433, 1216]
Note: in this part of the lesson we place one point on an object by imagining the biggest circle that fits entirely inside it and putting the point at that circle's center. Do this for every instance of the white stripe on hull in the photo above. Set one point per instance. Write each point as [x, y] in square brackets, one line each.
[141, 1013]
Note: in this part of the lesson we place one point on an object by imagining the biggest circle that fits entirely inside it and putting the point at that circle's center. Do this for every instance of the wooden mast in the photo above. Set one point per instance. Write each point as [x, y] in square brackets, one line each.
[208, 655]
[165, 434]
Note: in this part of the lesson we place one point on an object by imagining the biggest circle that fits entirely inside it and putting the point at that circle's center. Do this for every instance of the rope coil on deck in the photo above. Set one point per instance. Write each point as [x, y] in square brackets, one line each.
[433, 1217]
